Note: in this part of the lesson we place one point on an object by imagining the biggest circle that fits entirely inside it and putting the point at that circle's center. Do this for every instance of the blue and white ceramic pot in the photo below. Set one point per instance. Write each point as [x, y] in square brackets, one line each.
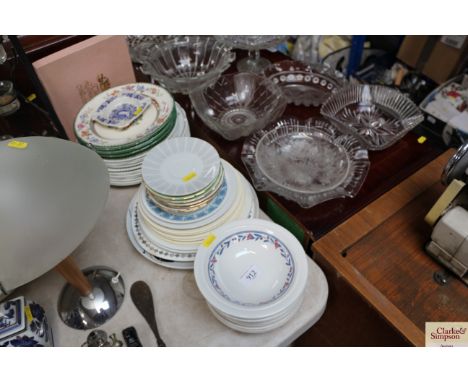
[23, 323]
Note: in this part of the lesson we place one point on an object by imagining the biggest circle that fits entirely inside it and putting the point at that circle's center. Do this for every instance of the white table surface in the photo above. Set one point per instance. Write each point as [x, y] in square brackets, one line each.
[182, 315]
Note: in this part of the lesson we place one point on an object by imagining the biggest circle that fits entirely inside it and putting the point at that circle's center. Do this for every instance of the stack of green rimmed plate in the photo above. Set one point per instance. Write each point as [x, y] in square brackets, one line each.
[123, 123]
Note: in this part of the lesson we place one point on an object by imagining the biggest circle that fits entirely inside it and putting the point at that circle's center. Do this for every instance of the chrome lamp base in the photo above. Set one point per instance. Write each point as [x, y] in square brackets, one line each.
[92, 311]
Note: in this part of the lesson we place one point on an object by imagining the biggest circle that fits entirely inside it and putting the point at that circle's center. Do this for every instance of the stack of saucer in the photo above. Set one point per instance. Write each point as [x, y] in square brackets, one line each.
[252, 274]
[187, 192]
[121, 124]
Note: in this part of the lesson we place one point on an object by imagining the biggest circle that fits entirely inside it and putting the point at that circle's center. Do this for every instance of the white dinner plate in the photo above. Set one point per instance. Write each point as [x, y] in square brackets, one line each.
[150, 252]
[180, 166]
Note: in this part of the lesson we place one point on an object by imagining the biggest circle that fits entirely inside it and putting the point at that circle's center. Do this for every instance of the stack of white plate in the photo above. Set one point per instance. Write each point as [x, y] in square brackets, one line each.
[185, 171]
[123, 123]
[252, 274]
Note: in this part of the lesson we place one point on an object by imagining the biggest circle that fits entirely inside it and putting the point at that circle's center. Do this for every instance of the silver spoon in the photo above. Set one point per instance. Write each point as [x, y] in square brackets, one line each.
[143, 300]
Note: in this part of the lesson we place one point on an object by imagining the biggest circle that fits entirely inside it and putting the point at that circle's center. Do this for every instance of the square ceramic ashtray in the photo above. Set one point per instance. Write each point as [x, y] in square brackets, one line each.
[122, 110]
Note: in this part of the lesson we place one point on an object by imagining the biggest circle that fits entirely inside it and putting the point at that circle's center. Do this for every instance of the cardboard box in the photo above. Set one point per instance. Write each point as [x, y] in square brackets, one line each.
[438, 57]
[74, 75]
[446, 60]
[411, 50]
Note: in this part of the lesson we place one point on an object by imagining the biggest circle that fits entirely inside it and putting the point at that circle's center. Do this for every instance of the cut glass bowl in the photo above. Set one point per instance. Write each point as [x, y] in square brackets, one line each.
[304, 84]
[187, 64]
[239, 104]
[308, 162]
[377, 115]
[140, 46]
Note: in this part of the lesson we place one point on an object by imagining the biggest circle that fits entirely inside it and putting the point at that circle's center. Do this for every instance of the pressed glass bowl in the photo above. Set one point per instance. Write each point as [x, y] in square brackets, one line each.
[184, 65]
[377, 115]
[239, 104]
[304, 84]
[308, 162]
[140, 46]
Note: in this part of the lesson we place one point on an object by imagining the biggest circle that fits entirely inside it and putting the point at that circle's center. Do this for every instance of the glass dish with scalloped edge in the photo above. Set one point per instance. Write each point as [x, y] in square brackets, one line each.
[308, 162]
[304, 84]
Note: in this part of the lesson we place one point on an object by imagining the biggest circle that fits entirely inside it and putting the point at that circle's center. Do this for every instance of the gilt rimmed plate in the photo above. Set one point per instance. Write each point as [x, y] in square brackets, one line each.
[87, 133]
[149, 250]
[180, 166]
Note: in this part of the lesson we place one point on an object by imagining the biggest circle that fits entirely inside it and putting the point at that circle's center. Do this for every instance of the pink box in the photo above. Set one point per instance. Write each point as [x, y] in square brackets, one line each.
[74, 75]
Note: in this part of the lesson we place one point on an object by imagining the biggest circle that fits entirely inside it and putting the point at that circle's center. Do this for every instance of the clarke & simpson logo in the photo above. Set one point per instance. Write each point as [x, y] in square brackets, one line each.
[446, 334]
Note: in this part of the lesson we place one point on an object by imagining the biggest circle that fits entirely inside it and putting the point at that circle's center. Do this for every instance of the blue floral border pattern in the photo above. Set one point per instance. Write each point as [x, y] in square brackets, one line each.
[256, 236]
[213, 205]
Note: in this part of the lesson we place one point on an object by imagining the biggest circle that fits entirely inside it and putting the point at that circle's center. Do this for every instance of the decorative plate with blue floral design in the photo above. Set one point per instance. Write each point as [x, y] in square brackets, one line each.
[120, 111]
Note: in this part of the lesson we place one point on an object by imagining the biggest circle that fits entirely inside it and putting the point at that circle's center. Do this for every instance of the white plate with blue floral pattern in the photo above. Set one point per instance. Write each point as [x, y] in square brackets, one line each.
[251, 268]
[93, 133]
[120, 111]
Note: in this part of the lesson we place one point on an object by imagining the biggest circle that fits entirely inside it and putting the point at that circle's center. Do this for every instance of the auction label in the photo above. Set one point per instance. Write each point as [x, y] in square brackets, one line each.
[250, 275]
[447, 334]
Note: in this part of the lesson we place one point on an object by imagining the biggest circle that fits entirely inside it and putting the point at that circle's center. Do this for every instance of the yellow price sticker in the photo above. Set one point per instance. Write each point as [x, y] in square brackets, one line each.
[27, 312]
[18, 144]
[31, 97]
[209, 239]
[138, 111]
[189, 176]
[422, 139]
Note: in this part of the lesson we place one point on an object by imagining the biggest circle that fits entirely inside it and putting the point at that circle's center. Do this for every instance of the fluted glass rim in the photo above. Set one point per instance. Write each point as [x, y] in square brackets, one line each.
[349, 187]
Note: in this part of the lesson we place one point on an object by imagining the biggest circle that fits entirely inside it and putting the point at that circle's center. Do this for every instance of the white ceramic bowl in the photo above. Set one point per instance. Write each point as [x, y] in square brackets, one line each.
[251, 268]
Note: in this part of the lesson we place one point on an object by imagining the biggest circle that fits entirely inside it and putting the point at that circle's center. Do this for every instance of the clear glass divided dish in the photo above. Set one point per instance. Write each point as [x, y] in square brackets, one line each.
[308, 162]
[304, 84]
[186, 64]
[377, 115]
[239, 104]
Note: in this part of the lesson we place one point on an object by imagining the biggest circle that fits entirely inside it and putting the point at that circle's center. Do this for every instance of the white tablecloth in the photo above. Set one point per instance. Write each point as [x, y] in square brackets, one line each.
[182, 315]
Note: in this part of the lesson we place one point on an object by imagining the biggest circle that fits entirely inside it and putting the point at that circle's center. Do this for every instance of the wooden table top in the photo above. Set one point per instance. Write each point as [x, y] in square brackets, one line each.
[380, 252]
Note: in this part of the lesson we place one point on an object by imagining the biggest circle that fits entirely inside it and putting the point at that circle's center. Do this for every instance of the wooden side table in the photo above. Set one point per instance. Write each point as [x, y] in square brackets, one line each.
[379, 254]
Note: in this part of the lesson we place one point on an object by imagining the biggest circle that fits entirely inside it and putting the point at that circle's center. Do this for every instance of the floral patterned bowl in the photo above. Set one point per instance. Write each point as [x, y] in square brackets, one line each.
[23, 323]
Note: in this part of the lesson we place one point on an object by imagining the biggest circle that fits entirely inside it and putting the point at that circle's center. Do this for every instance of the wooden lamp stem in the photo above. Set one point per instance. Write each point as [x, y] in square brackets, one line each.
[72, 273]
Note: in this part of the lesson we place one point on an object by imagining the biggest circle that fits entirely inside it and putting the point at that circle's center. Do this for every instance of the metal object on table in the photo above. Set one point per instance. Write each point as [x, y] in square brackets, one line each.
[143, 300]
[53, 192]
[99, 338]
[449, 217]
[89, 312]
[457, 166]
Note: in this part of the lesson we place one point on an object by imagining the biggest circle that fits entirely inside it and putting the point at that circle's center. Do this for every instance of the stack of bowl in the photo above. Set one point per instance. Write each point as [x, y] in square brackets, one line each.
[252, 274]
[121, 124]
[187, 192]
